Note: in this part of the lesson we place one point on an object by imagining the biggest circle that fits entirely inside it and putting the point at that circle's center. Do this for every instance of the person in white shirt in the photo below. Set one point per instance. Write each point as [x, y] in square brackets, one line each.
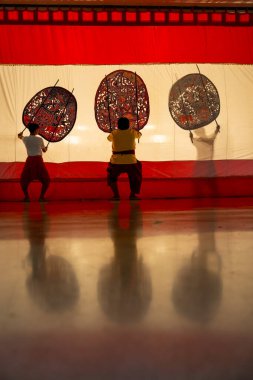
[35, 167]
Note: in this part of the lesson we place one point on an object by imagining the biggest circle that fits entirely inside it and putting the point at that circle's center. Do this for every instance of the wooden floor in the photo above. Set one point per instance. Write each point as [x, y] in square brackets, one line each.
[127, 290]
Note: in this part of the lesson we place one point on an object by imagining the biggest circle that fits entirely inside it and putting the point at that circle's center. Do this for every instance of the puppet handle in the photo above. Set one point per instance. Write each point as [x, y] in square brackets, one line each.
[60, 117]
[136, 97]
[108, 103]
[217, 125]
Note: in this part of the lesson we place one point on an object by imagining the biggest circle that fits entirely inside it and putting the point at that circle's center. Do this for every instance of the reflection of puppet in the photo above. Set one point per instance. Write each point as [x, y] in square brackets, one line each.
[197, 289]
[124, 287]
[52, 283]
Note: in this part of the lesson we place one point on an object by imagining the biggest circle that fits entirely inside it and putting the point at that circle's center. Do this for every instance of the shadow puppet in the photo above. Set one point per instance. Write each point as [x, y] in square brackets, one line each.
[52, 283]
[124, 286]
[197, 289]
[194, 103]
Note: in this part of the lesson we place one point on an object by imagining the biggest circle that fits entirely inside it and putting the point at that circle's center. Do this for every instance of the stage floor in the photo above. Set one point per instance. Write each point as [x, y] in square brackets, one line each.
[127, 290]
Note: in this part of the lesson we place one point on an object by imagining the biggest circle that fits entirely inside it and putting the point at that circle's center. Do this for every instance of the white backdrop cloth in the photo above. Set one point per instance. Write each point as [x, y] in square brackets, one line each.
[162, 139]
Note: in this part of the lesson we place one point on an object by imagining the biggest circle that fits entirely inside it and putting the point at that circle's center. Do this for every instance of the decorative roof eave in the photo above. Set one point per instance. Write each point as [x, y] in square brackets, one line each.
[135, 3]
[15, 14]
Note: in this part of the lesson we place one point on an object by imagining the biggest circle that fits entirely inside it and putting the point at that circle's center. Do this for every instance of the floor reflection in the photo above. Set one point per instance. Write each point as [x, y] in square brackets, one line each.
[124, 287]
[197, 290]
[51, 283]
[77, 300]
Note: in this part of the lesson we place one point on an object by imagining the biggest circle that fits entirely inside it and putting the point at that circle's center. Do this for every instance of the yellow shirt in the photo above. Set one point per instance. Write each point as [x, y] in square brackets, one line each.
[123, 140]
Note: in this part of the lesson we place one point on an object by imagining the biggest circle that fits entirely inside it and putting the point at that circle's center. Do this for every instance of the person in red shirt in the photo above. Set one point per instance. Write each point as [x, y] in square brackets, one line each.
[34, 166]
[123, 159]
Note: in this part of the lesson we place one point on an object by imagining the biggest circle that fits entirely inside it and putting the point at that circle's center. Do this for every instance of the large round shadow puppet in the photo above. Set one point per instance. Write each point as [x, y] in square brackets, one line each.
[194, 102]
[122, 93]
[54, 110]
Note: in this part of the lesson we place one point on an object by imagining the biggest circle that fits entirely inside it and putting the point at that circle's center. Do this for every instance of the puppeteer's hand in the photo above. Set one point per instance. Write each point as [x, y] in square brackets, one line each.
[191, 136]
[217, 128]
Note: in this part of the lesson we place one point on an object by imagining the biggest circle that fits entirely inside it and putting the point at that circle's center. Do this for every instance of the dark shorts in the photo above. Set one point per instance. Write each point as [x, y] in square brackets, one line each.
[134, 172]
[34, 168]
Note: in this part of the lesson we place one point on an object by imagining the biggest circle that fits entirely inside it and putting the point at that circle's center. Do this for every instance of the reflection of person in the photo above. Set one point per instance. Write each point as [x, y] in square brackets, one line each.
[123, 159]
[205, 166]
[197, 289]
[203, 143]
[124, 286]
[34, 166]
[52, 283]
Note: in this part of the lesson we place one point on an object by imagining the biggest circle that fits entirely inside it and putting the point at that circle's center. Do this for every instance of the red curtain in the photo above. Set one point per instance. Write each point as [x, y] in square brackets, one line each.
[57, 45]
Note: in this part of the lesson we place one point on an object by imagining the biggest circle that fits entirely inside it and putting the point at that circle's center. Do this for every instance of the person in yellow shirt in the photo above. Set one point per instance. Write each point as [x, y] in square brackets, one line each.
[123, 159]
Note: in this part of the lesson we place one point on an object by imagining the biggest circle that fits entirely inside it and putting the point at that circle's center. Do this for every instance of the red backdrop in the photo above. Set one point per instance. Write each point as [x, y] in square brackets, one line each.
[55, 45]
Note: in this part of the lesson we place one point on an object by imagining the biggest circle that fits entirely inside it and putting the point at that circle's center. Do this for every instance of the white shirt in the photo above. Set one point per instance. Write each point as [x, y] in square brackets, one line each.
[34, 145]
